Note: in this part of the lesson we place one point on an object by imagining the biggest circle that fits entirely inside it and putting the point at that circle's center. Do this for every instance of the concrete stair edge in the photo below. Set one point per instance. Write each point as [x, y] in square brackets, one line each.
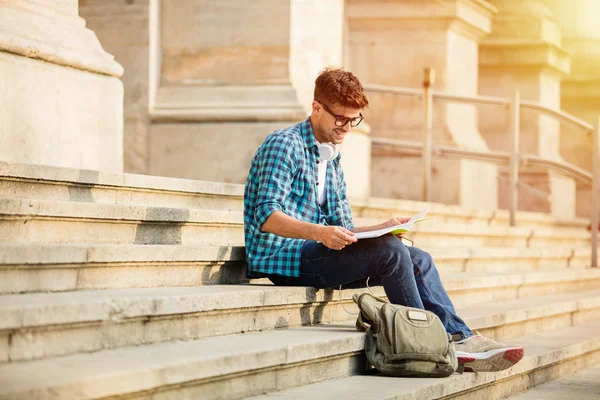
[541, 352]
[170, 365]
[19, 311]
[40, 174]
[33, 209]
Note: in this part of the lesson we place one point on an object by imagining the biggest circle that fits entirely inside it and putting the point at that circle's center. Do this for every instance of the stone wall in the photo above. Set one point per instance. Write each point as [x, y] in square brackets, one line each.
[122, 27]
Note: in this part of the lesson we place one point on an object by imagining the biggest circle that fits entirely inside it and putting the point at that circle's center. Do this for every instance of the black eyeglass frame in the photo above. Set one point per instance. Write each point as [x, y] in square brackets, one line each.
[340, 120]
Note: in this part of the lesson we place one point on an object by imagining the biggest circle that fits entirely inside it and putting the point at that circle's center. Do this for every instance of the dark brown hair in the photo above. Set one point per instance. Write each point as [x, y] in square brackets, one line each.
[336, 86]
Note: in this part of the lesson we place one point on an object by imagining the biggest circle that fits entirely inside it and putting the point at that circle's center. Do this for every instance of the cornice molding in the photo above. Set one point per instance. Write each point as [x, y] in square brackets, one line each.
[33, 31]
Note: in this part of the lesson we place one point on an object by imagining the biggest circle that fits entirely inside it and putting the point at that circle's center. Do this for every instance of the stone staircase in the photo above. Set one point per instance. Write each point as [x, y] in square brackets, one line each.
[127, 286]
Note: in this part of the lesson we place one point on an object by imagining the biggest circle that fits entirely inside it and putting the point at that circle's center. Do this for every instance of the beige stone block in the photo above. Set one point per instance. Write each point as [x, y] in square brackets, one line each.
[563, 195]
[584, 201]
[117, 23]
[35, 280]
[4, 348]
[77, 120]
[314, 48]
[394, 34]
[201, 45]
[135, 146]
[208, 151]
[356, 163]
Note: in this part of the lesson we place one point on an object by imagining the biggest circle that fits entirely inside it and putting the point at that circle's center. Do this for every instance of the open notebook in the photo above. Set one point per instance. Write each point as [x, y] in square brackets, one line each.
[395, 230]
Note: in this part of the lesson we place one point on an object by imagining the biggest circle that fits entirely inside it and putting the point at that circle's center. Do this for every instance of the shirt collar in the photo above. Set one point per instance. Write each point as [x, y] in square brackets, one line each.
[308, 136]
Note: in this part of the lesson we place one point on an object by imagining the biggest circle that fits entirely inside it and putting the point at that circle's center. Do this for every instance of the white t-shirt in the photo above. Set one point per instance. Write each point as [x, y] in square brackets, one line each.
[322, 180]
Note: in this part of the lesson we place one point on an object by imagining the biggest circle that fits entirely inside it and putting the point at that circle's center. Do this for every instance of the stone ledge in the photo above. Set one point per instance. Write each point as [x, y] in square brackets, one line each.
[541, 351]
[39, 254]
[212, 103]
[38, 221]
[130, 189]
[502, 53]
[36, 254]
[168, 366]
[36, 310]
[41, 174]
[25, 208]
[502, 319]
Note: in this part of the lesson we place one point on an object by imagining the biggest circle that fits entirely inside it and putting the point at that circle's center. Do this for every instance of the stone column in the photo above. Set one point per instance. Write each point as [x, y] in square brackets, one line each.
[524, 52]
[390, 43]
[122, 27]
[228, 74]
[580, 91]
[62, 101]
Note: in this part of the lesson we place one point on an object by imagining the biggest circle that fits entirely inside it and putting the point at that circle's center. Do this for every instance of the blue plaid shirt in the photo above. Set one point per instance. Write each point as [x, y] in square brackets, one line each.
[283, 176]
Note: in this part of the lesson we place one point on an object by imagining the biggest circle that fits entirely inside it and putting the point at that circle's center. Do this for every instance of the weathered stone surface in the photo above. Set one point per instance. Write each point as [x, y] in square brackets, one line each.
[583, 385]
[199, 361]
[394, 33]
[38, 30]
[541, 354]
[122, 27]
[524, 52]
[208, 151]
[77, 120]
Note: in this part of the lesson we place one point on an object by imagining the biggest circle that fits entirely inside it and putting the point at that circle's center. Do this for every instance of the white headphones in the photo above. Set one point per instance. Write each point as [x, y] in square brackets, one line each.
[328, 151]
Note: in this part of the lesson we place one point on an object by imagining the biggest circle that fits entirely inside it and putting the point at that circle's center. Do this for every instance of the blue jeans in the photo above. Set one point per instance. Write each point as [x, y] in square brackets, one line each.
[408, 275]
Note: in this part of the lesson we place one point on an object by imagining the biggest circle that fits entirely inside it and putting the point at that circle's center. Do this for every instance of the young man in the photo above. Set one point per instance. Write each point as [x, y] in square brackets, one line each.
[299, 231]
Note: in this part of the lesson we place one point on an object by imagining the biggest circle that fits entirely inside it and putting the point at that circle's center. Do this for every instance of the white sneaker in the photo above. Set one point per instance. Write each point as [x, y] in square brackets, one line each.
[480, 354]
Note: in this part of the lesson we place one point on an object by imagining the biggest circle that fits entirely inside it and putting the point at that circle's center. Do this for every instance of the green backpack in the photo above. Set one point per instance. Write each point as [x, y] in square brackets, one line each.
[404, 341]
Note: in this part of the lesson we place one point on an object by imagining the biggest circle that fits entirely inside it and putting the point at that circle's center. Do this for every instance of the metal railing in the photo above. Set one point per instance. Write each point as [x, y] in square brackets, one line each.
[513, 158]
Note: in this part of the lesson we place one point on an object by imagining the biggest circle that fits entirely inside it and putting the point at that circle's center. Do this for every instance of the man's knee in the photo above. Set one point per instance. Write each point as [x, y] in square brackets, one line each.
[393, 255]
[421, 258]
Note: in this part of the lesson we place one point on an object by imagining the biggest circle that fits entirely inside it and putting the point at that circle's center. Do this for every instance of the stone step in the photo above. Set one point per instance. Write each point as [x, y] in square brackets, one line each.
[236, 366]
[583, 385]
[24, 220]
[38, 182]
[547, 356]
[386, 208]
[37, 267]
[45, 325]
[41, 182]
[433, 233]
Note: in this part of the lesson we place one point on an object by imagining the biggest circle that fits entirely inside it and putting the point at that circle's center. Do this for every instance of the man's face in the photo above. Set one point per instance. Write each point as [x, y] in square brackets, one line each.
[325, 116]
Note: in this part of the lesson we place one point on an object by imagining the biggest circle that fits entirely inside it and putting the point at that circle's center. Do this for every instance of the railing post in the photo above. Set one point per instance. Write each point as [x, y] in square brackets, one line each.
[595, 188]
[428, 80]
[513, 188]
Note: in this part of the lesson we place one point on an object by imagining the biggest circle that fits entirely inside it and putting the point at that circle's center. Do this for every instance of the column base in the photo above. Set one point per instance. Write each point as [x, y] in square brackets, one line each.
[466, 183]
[542, 191]
[207, 151]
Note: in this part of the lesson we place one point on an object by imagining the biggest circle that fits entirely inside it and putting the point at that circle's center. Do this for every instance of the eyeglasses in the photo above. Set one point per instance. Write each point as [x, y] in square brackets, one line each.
[340, 120]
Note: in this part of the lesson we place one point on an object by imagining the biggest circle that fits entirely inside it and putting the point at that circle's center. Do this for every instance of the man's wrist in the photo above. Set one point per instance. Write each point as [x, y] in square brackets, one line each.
[316, 232]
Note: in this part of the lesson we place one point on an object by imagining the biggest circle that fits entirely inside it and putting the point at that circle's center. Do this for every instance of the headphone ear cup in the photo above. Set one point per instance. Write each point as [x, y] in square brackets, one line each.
[328, 151]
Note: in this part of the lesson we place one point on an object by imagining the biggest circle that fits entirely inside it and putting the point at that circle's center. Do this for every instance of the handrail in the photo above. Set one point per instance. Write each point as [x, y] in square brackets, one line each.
[394, 90]
[558, 114]
[501, 101]
[496, 157]
[472, 99]
[513, 158]
[564, 167]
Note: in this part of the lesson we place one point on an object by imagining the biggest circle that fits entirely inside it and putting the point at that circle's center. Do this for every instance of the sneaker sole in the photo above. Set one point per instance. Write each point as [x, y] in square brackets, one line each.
[490, 361]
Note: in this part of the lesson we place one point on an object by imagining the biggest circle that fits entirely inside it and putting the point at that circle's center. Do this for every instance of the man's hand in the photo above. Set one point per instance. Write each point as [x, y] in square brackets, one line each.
[395, 221]
[335, 237]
